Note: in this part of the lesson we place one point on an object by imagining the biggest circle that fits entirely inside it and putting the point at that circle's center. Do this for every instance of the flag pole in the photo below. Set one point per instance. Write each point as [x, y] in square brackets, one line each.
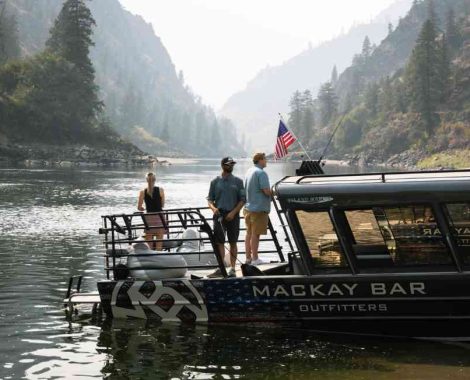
[296, 138]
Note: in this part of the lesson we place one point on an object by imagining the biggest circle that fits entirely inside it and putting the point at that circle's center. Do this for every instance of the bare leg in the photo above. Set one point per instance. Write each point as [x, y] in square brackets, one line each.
[159, 244]
[149, 240]
[233, 254]
[248, 246]
[221, 252]
[254, 246]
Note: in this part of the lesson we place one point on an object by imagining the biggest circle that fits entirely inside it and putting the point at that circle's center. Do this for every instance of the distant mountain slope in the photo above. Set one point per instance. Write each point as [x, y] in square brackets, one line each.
[406, 102]
[143, 94]
[394, 51]
[269, 92]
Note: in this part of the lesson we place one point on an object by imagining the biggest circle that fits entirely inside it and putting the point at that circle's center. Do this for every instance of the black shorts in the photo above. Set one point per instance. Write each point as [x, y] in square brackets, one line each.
[221, 227]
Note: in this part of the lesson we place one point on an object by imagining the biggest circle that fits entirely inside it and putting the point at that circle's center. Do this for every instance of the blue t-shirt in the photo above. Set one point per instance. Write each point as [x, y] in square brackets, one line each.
[255, 180]
[226, 192]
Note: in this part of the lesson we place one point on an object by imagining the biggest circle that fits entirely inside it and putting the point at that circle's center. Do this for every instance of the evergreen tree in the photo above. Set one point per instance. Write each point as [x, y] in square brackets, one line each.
[452, 32]
[400, 101]
[366, 48]
[165, 134]
[9, 44]
[424, 69]
[216, 139]
[308, 119]
[386, 97]
[390, 28]
[295, 114]
[71, 35]
[444, 69]
[432, 15]
[372, 99]
[70, 38]
[328, 103]
[334, 76]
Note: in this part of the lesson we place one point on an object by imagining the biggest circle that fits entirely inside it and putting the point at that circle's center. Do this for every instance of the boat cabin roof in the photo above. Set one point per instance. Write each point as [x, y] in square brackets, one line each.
[375, 187]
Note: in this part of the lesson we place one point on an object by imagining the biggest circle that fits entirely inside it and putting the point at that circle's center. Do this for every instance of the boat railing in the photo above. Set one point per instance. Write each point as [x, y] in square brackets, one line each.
[122, 231]
[385, 177]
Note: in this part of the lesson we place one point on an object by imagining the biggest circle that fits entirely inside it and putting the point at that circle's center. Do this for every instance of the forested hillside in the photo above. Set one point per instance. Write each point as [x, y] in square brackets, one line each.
[406, 101]
[255, 109]
[144, 99]
[51, 97]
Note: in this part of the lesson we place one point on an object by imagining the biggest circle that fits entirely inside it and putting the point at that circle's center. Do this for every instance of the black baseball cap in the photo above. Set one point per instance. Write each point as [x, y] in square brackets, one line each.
[227, 161]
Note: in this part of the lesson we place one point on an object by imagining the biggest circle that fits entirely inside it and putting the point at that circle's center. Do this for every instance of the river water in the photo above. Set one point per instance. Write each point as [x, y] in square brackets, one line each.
[48, 232]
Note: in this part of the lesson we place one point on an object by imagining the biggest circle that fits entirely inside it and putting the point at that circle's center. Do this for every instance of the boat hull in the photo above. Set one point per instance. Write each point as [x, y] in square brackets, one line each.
[434, 306]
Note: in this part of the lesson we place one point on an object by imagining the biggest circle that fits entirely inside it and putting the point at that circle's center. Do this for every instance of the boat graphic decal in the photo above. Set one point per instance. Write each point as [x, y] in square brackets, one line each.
[154, 299]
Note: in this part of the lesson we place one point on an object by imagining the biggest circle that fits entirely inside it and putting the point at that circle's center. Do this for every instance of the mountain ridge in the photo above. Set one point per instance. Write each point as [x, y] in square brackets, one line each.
[268, 93]
[137, 78]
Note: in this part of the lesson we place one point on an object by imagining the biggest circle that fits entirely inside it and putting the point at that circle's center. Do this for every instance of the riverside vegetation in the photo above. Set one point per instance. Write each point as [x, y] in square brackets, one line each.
[405, 102]
[60, 93]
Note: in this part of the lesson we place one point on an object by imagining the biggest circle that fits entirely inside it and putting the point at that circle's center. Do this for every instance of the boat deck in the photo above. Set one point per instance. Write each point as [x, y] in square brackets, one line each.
[205, 272]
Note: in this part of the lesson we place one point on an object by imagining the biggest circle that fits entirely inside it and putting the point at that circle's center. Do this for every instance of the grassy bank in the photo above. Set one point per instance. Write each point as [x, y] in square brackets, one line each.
[456, 159]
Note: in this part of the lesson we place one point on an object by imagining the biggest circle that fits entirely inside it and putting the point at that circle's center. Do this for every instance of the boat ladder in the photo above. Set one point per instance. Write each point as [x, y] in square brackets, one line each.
[75, 297]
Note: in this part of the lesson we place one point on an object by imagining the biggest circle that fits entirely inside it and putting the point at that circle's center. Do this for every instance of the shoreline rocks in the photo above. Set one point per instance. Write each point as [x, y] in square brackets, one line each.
[74, 156]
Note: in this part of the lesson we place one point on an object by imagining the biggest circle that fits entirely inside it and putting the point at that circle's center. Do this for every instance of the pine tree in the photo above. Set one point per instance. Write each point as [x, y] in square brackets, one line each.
[452, 32]
[70, 39]
[386, 97]
[9, 44]
[366, 48]
[165, 133]
[216, 139]
[71, 35]
[444, 70]
[295, 114]
[400, 101]
[334, 76]
[372, 99]
[423, 75]
[432, 15]
[390, 28]
[308, 119]
[328, 103]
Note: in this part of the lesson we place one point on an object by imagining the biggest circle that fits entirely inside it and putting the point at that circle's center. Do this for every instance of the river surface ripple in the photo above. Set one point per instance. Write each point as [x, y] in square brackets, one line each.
[48, 232]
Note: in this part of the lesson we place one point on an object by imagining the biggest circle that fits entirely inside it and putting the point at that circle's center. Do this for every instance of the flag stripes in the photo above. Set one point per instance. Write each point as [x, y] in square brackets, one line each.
[284, 140]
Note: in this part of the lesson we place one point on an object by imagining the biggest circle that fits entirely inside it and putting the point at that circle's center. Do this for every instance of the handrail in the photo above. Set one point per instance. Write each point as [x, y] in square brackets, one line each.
[382, 176]
[123, 230]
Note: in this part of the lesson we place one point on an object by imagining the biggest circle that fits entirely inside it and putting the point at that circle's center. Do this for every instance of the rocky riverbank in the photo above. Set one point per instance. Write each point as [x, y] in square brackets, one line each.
[412, 159]
[75, 156]
[408, 159]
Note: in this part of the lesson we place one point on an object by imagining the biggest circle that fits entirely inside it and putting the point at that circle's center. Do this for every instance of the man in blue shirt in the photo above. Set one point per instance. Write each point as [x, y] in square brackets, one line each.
[257, 207]
[226, 198]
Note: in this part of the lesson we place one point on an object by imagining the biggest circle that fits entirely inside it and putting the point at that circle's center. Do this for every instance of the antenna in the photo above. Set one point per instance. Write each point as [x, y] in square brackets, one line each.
[331, 138]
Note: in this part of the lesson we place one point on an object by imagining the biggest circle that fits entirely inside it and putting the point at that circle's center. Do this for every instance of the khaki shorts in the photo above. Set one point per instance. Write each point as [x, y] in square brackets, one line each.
[256, 222]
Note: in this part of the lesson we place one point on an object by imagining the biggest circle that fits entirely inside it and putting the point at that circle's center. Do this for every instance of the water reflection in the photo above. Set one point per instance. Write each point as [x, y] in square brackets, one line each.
[148, 351]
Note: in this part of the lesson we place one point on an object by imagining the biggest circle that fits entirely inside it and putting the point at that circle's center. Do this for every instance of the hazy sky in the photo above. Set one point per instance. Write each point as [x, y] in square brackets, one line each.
[221, 44]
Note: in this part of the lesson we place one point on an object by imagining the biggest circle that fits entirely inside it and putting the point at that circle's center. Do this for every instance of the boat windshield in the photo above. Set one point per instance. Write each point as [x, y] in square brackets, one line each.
[392, 238]
[459, 216]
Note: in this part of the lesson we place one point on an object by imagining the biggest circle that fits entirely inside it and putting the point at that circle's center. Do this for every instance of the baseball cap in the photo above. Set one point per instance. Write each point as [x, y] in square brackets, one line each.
[227, 161]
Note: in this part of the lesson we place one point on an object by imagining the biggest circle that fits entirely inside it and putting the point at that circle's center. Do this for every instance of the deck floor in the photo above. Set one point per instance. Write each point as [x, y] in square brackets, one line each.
[206, 272]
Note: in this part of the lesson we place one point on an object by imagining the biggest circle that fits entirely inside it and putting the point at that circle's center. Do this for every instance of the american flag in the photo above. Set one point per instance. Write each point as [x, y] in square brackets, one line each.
[284, 140]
